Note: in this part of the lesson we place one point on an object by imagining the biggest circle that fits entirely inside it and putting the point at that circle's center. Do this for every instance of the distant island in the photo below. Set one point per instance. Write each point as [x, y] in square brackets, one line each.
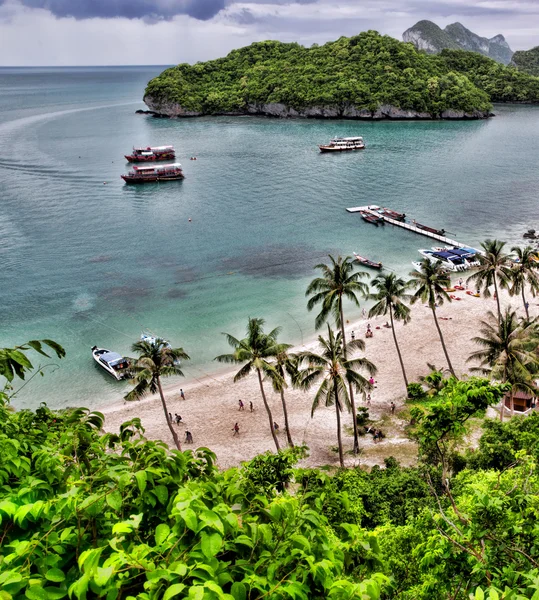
[527, 61]
[368, 76]
[427, 36]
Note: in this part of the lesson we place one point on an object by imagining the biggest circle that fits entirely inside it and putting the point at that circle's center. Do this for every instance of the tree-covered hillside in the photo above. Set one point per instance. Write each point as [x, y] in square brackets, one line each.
[527, 61]
[351, 77]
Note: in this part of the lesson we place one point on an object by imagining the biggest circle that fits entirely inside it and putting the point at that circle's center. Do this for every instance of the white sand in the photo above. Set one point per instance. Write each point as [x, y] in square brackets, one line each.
[211, 406]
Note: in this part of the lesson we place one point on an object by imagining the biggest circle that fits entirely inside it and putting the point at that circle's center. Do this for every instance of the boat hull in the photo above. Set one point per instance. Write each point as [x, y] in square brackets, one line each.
[330, 149]
[152, 179]
[133, 158]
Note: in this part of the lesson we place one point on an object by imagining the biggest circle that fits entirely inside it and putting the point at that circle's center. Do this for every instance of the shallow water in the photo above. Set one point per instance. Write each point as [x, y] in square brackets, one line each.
[86, 263]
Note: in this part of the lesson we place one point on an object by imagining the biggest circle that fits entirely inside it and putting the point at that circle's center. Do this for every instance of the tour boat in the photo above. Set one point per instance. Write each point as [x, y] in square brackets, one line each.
[341, 144]
[151, 154]
[449, 260]
[419, 267]
[172, 172]
[367, 263]
[469, 255]
[371, 218]
[112, 362]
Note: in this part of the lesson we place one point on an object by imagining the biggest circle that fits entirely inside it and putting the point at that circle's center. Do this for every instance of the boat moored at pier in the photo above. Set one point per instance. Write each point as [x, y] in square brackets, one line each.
[428, 229]
[111, 362]
[371, 217]
[151, 154]
[343, 144]
[450, 261]
[149, 174]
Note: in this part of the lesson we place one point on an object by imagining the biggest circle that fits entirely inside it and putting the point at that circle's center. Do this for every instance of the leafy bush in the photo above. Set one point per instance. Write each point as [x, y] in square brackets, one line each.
[415, 391]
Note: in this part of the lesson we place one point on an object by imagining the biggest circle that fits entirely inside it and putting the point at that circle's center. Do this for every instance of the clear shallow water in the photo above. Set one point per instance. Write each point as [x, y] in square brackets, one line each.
[86, 263]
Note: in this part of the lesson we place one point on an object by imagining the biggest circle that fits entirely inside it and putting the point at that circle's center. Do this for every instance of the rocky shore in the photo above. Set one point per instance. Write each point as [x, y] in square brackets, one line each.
[279, 110]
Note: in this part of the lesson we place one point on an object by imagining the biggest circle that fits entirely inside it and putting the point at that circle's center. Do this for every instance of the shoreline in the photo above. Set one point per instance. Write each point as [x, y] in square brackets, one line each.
[211, 406]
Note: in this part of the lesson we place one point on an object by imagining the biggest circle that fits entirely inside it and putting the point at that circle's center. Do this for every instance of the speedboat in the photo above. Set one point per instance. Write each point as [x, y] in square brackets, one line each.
[450, 261]
[112, 362]
[149, 337]
[418, 267]
[469, 255]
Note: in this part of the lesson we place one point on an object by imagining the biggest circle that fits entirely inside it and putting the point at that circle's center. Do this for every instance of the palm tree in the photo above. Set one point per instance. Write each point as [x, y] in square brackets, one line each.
[335, 371]
[285, 363]
[255, 352]
[524, 271]
[430, 282]
[156, 359]
[390, 296]
[492, 271]
[338, 281]
[508, 351]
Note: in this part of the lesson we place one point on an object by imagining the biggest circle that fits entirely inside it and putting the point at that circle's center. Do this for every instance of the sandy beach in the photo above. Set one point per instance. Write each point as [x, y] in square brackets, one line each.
[210, 408]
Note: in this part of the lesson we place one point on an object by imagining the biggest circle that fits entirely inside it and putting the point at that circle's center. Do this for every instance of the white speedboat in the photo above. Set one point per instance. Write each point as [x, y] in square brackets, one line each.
[112, 362]
[450, 261]
[151, 338]
[418, 267]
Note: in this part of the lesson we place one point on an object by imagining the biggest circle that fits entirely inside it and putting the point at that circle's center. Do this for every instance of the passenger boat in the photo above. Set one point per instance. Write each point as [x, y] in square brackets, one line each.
[450, 261]
[418, 267]
[172, 172]
[392, 214]
[343, 144]
[370, 218]
[469, 255]
[151, 154]
[367, 263]
[429, 229]
[112, 362]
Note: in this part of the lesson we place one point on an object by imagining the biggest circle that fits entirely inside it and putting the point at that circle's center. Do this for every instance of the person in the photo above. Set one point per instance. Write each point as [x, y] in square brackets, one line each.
[460, 281]
[178, 418]
[387, 325]
[170, 417]
[371, 380]
[368, 399]
[526, 305]
[353, 336]
[275, 426]
[236, 429]
[188, 437]
[375, 436]
[393, 408]
[251, 408]
[182, 394]
[363, 314]
[368, 327]
[242, 407]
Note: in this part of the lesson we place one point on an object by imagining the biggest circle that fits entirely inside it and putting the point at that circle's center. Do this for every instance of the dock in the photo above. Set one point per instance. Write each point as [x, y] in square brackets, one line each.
[373, 211]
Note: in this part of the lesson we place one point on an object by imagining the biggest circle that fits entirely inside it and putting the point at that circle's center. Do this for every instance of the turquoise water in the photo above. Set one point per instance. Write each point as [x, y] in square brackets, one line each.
[86, 263]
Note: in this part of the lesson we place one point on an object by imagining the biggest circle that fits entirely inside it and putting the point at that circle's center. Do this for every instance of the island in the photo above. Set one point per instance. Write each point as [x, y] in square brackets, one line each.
[368, 76]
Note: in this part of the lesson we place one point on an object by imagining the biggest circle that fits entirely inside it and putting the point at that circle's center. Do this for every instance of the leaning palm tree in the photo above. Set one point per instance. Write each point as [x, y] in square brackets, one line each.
[431, 282]
[336, 372]
[339, 280]
[524, 271]
[507, 351]
[255, 352]
[156, 359]
[493, 270]
[390, 297]
[285, 363]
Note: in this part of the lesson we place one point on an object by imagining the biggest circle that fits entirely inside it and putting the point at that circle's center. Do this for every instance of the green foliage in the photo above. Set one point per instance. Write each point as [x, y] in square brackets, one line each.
[362, 416]
[527, 61]
[365, 71]
[415, 391]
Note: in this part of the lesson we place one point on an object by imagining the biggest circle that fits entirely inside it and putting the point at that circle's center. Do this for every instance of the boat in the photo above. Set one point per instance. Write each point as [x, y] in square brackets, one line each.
[112, 362]
[469, 255]
[371, 218]
[367, 263]
[392, 214]
[151, 338]
[149, 174]
[418, 267]
[151, 154]
[343, 144]
[429, 229]
[450, 261]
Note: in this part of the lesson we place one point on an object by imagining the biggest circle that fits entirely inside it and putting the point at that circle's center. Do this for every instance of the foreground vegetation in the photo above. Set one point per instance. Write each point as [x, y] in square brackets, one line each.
[365, 72]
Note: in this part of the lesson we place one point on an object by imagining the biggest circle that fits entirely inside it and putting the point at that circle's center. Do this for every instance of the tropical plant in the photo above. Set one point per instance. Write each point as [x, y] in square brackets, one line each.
[524, 272]
[493, 270]
[430, 283]
[508, 352]
[255, 353]
[285, 363]
[390, 297]
[156, 359]
[337, 375]
[339, 280]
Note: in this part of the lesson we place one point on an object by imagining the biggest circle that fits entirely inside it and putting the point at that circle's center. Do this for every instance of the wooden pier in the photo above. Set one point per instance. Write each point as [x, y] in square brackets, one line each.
[373, 210]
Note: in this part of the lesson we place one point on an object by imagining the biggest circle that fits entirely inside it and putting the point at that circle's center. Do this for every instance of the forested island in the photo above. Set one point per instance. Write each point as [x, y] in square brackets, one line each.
[368, 76]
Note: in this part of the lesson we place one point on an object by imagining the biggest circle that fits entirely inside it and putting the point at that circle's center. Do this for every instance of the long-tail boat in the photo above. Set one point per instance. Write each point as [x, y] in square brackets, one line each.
[429, 229]
[367, 263]
[370, 218]
[392, 214]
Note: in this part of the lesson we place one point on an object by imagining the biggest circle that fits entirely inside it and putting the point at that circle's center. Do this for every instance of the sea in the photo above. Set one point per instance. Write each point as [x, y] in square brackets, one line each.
[87, 260]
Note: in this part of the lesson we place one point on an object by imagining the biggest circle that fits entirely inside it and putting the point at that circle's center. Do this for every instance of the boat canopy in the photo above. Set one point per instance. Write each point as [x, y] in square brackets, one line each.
[112, 358]
[153, 148]
[158, 167]
[347, 139]
[462, 253]
[446, 256]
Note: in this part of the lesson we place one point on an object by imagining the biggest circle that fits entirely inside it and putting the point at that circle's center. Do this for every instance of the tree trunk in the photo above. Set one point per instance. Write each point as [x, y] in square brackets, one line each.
[268, 410]
[285, 412]
[524, 302]
[339, 439]
[352, 399]
[512, 403]
[165, 409]
[397, 347]
[443, 342]
[497, 299]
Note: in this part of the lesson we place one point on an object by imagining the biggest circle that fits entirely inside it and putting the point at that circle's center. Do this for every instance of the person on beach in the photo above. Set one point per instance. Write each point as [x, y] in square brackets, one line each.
[241, 406]
[368, 399]
[371, 381]
[275, 426]
[177, 418]
[170, 417]
[353, 336]
[461, 281]
[363, 314]
[393, 408]
[182, 395]
[188, 437]
[251, 408]
[236, 430]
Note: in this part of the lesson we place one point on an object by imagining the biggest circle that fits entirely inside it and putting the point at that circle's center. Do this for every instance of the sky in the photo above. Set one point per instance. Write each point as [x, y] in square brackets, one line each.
[138, 32]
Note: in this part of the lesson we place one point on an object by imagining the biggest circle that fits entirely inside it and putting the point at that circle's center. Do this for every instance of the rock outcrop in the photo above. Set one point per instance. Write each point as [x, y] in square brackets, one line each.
[282, 111]
[427, 36]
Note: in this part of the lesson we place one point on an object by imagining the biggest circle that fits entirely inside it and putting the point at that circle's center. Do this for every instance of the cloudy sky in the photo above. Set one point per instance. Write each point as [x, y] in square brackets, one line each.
[115, 32]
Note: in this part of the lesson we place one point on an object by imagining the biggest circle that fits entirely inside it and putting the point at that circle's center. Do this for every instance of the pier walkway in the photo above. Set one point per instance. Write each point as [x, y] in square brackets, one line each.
[373, 210]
